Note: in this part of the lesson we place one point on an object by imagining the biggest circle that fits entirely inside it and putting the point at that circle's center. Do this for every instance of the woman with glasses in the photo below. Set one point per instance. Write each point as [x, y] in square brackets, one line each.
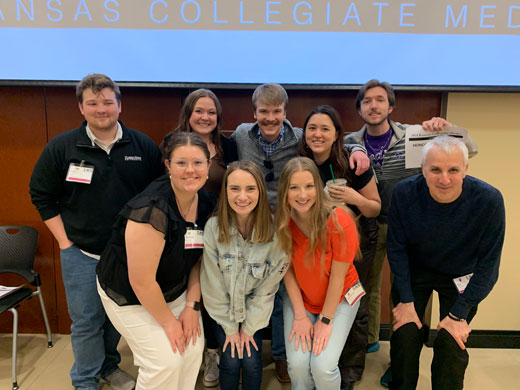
[149, 272]
[241, 271]
[322, 286]
[322, 142]
[201, 113]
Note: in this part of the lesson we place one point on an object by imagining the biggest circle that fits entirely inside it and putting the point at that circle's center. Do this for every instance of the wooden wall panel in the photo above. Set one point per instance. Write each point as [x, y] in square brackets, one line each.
[22, 137]
[30, 116]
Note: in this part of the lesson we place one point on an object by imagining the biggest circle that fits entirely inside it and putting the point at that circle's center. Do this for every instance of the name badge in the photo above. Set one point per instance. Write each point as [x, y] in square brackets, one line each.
[462, 282]
[355, 293]
[80, 173]
[193, 239]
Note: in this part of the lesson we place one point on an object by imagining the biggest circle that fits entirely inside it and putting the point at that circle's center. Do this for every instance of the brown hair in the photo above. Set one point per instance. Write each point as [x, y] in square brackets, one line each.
[183, 125]
[96, 82]
[261, 215]
[338, 155]
[184, 139]
[372, 84]
[270, 94]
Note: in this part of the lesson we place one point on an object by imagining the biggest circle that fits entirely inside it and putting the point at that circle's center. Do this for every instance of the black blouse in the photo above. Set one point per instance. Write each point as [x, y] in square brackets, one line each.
[156, 206]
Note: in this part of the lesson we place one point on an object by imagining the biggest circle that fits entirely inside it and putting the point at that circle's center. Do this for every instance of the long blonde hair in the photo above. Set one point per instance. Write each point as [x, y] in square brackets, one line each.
[320, 212]
[261, 215]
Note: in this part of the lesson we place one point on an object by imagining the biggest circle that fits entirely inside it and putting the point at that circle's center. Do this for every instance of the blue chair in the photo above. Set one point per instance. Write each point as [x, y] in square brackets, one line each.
[17, 249]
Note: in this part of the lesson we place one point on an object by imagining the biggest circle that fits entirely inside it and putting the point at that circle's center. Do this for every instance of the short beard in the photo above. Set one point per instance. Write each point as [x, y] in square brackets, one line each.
[385, 119]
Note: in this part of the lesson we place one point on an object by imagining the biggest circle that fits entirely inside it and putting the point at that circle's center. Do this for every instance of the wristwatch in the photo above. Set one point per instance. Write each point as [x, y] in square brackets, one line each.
[325, 320]
[194, 305]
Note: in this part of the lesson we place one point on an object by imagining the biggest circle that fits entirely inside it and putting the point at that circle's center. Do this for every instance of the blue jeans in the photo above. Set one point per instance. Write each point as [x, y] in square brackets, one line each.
[230, 367]
[308, 371]
[277, 339]
[93, 337]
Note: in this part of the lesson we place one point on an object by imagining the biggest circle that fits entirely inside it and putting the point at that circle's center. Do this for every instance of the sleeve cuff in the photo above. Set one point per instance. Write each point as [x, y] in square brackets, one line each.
[230, 331]
[48, 212]
[406, 295]
[460, 309]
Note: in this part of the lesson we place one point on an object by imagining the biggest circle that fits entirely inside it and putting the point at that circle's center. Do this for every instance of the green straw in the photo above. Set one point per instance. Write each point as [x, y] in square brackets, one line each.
[332, 173]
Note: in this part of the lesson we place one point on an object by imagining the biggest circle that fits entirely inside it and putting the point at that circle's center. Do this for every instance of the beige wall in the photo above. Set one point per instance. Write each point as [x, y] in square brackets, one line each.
[492, 120]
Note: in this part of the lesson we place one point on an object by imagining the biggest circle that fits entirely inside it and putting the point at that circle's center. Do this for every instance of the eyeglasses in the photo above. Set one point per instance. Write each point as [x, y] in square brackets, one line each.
[198, 165]
[269, 176]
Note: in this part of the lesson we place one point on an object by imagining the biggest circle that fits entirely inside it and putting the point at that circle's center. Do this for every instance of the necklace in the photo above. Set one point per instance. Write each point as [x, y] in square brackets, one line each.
[381, 148]
[189, 207]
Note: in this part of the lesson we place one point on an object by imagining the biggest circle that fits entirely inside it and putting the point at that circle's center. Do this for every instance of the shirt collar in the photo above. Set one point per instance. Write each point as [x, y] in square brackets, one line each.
[96, 141]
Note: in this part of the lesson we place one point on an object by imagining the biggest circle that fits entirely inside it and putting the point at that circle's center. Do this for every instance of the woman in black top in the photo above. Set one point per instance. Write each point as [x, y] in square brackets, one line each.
[201, 113]
[149, 272]
[322, 141]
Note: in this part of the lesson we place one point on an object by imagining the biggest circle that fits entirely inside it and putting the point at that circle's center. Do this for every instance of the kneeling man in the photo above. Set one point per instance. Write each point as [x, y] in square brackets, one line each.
[445, 233]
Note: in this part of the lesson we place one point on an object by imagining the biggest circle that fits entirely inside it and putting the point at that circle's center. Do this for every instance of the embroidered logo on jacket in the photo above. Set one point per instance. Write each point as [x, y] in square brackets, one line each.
[133, 158]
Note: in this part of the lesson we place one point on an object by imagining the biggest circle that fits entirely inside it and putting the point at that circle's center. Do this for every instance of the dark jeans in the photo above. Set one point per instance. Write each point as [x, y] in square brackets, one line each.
[352, 359]
[449, 361]
[230, 367]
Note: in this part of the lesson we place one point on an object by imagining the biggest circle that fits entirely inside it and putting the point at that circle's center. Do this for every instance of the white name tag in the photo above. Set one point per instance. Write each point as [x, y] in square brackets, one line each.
[80, 173]
[193, 239]
[462, 282]
[355, 293]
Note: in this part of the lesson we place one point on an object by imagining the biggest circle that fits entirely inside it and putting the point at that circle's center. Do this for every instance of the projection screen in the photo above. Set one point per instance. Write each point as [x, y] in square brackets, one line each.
[314, 42]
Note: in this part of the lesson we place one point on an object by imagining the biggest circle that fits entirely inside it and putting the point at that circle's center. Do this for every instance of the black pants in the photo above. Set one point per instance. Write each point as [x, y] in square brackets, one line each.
[352, 360]
[210, 330]
[449, 361]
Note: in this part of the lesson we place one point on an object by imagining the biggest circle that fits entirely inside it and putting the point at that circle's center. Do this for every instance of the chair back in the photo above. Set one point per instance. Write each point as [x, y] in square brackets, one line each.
[17, 250]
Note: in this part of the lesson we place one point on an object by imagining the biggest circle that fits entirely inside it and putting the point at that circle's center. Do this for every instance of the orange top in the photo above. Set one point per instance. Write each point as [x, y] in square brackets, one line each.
[340, 246]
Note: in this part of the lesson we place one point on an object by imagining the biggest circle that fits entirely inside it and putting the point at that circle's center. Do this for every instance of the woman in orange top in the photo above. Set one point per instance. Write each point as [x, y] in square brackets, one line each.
[321, 284]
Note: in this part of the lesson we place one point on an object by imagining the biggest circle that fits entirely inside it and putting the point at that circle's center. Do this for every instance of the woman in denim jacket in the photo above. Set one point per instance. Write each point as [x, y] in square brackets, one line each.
[241, 270]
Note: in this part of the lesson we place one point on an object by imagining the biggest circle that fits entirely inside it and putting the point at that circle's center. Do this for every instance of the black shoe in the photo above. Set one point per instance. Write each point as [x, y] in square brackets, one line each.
[347, 385]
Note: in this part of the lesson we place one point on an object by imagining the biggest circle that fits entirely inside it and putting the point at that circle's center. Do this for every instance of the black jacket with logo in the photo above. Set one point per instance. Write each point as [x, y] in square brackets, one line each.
[89, 210]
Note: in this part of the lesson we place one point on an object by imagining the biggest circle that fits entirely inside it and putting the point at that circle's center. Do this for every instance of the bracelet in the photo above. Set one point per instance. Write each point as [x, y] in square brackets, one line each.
[452, 317]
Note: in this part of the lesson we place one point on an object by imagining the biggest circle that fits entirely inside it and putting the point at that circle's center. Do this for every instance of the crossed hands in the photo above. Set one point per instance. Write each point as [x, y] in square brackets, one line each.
[238, 342]
[183, 330]
[309, 336]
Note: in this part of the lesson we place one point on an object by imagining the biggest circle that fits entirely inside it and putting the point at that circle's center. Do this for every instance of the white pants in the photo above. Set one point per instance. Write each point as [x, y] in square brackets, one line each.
[159, 367]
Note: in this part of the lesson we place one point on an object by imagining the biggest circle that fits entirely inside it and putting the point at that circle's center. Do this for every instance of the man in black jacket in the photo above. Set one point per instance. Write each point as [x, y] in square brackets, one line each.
[79, 184]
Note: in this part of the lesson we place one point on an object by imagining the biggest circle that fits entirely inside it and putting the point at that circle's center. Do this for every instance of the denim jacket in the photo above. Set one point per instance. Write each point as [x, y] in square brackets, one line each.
[239, 280]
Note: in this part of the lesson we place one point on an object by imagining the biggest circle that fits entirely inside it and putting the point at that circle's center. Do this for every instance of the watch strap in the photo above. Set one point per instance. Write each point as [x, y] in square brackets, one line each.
[195, 305]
